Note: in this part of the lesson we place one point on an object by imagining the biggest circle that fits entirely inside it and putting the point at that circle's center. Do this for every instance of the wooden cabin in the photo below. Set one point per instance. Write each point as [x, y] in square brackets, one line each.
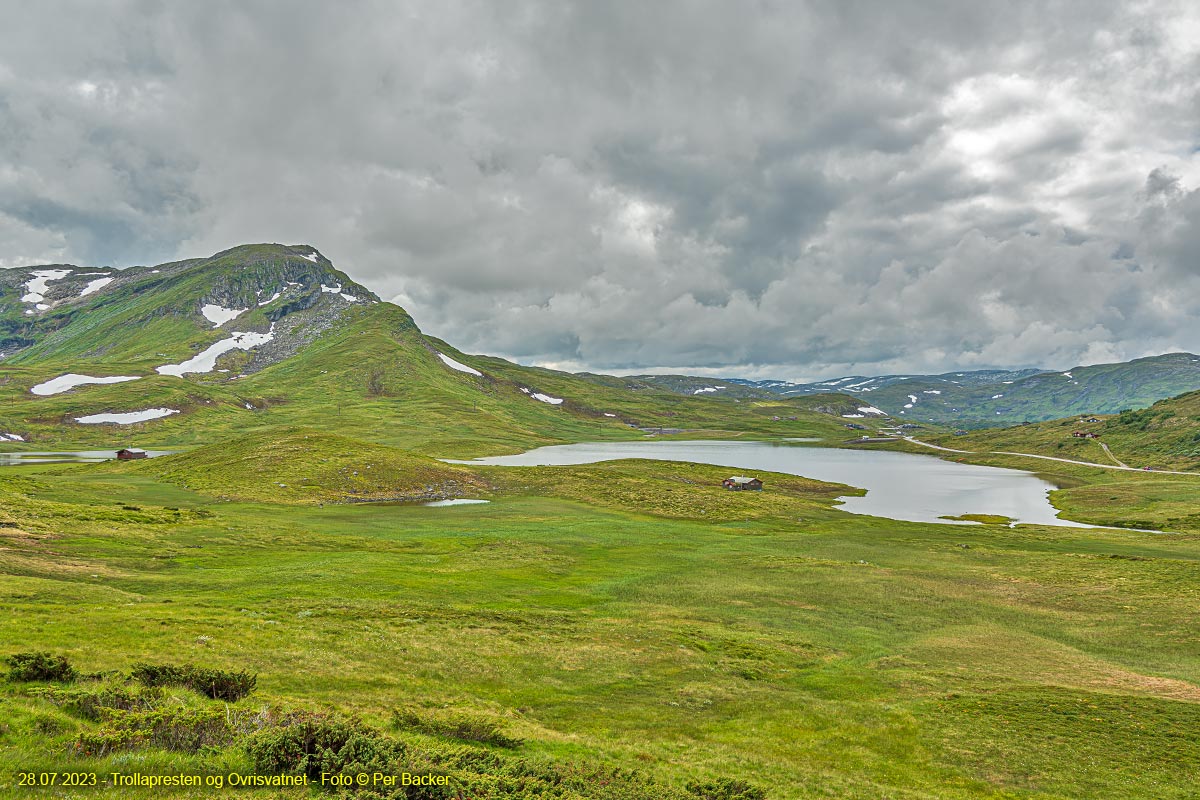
[742, 484]
[1085, 435]
[130, 453]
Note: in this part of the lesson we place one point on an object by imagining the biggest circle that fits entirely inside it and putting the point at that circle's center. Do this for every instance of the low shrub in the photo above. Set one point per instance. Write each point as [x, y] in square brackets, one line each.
[312, 743]
[39, 666]
[185, 730]
[215, 684]
[455, 725]
[92, 704]
[727, 789]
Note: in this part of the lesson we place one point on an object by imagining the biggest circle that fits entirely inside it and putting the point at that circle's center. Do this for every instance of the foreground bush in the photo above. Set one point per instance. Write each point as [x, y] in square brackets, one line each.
[312, 743]
[215, 684]
[455, 725]
[726, 789]
[446, 763]
[186, 730]
[93, 703]
[39, 667]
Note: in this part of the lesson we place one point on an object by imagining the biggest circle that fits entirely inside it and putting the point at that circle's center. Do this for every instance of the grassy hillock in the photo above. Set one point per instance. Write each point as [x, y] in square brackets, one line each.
[296, 465]
[670, 489]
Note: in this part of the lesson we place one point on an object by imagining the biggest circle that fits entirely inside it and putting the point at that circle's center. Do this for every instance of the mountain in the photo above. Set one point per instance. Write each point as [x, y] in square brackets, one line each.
[982, 398]
[269, 336]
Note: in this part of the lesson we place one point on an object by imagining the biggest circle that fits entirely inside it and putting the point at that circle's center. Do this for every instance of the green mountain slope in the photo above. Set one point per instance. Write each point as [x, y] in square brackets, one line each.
[298, 343]
[146, 316]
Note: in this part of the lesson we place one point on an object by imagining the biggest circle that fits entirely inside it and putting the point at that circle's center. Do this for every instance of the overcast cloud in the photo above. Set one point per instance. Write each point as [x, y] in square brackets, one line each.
[766, 189]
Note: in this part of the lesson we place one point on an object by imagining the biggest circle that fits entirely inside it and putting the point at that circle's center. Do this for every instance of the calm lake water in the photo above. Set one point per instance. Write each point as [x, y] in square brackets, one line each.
[73, 457]
[917, 488]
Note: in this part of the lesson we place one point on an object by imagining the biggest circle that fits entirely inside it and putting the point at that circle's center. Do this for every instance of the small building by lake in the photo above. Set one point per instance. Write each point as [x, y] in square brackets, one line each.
[130, 453]
[742, 483]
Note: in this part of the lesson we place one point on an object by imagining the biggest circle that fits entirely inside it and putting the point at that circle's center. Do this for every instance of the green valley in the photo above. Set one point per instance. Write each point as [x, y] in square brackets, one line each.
[276, 599]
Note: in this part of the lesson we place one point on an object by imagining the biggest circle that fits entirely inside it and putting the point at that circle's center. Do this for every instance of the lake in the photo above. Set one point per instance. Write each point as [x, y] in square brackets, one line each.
[72, 457]
[903, 486]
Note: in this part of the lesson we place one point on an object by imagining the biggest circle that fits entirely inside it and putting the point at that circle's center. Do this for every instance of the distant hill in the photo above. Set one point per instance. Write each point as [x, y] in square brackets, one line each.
[271, 336]
[981, 398]
[1165, 435]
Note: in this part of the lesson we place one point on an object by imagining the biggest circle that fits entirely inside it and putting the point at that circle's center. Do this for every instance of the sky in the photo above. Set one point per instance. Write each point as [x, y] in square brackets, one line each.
[792, 190]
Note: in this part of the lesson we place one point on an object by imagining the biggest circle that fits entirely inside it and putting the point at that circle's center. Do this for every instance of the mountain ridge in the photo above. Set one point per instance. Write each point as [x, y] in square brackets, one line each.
[981, 398]
[269, 335]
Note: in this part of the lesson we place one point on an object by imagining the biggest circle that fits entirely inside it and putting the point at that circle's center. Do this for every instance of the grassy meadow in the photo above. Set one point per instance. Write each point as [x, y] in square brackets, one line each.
[626, 629]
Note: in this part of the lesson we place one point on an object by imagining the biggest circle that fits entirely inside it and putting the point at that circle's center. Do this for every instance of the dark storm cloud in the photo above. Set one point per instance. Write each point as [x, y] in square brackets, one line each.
[766, 188]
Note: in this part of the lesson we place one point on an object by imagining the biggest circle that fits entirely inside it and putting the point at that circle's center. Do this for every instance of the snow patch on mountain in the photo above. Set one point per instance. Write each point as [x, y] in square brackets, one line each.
[95, 286]
[458, 365]
[206, 361]
[12, 437]
[219, 315]
[37, 286]
[872, 410]
[64, 383]
[545, 398]
[129, 417]
[311, 256]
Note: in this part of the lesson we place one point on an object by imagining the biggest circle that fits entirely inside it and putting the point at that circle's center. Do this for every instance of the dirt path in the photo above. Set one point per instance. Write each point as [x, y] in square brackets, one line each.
[936, 447]
[1104, 447]
[1094, 464]
[1051, 458]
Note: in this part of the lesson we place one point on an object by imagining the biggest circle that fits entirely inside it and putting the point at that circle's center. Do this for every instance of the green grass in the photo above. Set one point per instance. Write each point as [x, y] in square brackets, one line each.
[300, 465]
[634, 614]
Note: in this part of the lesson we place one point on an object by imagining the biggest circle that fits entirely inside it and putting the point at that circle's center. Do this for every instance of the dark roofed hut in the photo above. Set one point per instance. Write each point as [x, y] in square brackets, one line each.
[739, 483]
[130, 453]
